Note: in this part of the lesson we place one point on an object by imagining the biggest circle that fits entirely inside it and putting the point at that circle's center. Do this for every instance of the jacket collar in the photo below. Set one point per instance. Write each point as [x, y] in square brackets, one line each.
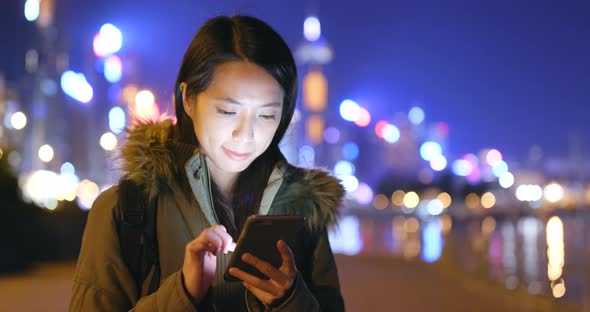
[152, 158]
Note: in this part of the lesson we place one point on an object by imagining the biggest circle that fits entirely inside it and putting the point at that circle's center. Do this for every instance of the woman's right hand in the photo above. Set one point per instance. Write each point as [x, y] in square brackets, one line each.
[200, 261]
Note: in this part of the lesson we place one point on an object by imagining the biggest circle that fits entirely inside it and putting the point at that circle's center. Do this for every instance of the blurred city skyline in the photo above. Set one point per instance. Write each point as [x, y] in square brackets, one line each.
[503, 75]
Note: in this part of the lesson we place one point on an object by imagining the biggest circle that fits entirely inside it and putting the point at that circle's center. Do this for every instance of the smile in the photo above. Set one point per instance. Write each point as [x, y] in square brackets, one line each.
[234, 155]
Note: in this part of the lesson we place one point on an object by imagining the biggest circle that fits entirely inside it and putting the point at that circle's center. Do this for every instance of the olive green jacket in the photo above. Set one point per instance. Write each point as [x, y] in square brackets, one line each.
[150, 157]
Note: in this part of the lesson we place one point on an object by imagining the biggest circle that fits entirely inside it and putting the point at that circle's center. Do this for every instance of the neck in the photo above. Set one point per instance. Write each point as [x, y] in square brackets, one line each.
[225, 181]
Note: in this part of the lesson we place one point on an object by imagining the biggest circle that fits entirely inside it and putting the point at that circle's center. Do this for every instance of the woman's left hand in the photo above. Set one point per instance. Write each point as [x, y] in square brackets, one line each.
[281, 279]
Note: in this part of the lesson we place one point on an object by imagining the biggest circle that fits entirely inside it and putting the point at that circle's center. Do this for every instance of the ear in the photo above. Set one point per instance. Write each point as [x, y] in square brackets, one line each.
[185, 104]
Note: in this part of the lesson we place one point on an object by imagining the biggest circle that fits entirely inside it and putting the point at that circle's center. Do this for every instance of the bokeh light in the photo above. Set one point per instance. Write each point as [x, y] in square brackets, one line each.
[397, 198]
[144, 98]
[499, 168]
[113, 69]
[555, 248]
[109, 40]
[445, 199]
[380, 202]
[46, 153]
[506, 180]
[488, 225]
[363, 194]
[314, 127]
[379, 127]
[41, 186]
[391, 133]
[67, 168]
[364, 118]
[306, 156]
[416, 115]
[48, 87]
[312, 29]
[493, 157]
[558, 289]
[346, 237]
[411, 225]
[442, 129]
[350, 183]
[87, 193]
[411, 200]
[472, 201]
[554, 192]
[108, 141]
[117, 119]
[76, 86]
[349, 110]
[430, 150]
[433, 242]
[18, 120]
[315, 91]
[488, 200]
[32, 10]
[434, 207]
[529, 192]
[145, 106]
[332, 135]
[350, 151]
[343, 168]
[462, 167]
[438, 163]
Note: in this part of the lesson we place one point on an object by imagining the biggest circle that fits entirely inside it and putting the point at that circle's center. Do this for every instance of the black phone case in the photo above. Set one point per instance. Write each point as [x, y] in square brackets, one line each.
[259, 237]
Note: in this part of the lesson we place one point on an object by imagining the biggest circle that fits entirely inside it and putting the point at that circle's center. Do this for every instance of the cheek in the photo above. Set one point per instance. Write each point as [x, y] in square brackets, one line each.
[267, 134]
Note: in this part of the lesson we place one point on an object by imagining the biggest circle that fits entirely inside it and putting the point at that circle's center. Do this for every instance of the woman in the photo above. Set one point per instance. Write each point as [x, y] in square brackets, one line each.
[220, 163]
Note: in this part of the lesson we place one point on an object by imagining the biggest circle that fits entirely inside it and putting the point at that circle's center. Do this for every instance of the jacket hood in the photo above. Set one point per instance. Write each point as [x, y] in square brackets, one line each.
[152, 159]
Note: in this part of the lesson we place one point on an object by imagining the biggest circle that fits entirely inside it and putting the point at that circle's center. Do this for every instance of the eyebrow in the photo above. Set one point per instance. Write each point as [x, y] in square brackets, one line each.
[232, 101]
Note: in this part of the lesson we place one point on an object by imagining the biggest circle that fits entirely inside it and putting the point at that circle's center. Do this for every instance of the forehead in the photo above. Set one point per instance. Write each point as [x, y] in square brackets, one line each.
[243, 80]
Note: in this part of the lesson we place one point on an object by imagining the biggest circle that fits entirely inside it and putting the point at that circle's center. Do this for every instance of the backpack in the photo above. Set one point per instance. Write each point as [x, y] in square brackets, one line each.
[136, 228]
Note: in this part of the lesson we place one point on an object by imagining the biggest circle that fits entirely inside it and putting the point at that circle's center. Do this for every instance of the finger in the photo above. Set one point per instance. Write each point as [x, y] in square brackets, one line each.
[227, 240]
[252, 280]
[231, 247]
[287, 256]
[207, 241]
[266, 268]
[262, 295]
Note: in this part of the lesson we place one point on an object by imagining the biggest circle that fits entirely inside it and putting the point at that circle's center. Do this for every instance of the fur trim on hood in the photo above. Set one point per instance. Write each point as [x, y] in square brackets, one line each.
[148, 160]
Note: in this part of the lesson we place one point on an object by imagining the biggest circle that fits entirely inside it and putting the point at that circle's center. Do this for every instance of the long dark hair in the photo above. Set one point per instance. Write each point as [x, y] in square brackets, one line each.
[238, 38]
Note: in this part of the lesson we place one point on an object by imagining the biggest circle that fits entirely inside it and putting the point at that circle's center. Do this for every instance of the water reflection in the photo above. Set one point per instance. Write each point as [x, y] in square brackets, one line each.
[433, 241]
[512, 251]
[556, 255]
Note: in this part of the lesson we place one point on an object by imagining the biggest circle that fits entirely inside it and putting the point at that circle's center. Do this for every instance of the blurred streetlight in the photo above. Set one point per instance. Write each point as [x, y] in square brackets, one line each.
[46, 153]
[32, 10]
[18, 120]
[108, 141]
[312, 29]
[553, 192]
[76, 86]
[107, 41]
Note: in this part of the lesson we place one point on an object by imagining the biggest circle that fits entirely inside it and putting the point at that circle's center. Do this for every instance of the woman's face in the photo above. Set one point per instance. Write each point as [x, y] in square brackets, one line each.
[236, 117]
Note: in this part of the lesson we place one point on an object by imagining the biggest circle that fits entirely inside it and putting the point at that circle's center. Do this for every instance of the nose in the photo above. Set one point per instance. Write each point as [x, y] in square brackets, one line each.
[244, 130]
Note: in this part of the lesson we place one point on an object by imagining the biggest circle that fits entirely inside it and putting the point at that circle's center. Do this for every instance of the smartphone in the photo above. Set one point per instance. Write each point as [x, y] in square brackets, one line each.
[259, 237]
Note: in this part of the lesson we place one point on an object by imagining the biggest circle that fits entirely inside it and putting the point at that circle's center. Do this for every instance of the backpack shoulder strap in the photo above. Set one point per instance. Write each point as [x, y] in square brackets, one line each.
[136, 225]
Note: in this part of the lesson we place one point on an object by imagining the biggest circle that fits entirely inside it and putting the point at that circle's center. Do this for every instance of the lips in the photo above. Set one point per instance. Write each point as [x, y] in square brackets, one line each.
[236, 155]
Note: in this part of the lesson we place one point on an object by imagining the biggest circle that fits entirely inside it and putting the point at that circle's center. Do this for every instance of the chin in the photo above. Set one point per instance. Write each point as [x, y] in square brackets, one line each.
[237, 167]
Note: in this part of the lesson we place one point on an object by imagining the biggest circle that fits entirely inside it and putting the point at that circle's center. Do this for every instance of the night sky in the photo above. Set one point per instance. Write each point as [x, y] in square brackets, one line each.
[502, 74]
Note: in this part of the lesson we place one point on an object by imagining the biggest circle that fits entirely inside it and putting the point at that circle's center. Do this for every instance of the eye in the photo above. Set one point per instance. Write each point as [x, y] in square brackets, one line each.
[225, 113]
[268, 117]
